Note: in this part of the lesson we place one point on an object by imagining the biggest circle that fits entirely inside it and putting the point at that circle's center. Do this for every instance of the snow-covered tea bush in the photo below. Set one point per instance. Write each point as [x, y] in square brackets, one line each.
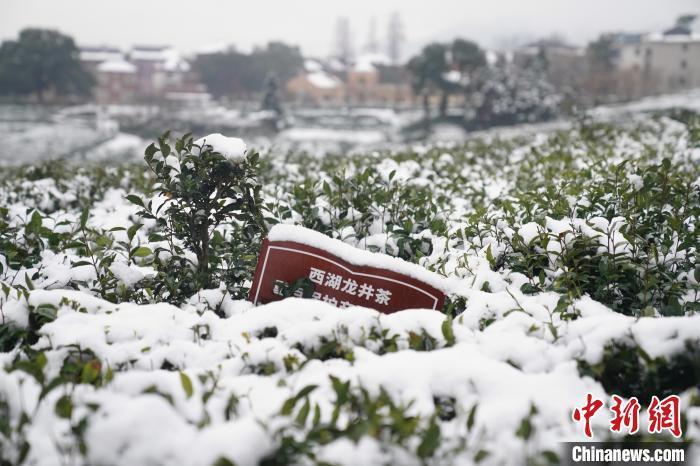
[202, 185]
[572, 257]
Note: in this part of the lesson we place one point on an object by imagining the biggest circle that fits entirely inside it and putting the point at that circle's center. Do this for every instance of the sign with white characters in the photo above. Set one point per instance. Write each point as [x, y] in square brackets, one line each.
[339, 275]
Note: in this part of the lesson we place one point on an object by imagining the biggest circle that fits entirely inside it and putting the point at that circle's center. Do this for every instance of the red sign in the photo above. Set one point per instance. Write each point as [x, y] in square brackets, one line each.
[336, 281]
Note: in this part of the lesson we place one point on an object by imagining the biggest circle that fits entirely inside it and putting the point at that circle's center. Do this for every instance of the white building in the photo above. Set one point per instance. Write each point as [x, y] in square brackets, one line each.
[662, 62]
[91, 57]
[116, 82]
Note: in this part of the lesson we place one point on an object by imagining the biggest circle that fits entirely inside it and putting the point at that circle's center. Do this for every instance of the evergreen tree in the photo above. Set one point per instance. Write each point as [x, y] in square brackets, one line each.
[428, 69]
[233, 73]
[467, 56]
[431, 67]
[42, 61]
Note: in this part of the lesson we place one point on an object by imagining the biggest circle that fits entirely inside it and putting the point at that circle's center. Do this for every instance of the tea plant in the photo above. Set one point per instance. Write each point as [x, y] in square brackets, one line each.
[356, 414]
[577, 248]
[200, 190]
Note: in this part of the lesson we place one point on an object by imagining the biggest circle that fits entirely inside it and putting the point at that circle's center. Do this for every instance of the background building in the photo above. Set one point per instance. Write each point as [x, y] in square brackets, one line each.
[145, 74]
[664, 62]
[116, 82]
[370, 80]
[316, 86]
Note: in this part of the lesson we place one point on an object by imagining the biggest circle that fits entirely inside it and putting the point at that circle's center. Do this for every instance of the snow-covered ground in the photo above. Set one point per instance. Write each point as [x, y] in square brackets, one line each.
[689, 100]
[238, 376]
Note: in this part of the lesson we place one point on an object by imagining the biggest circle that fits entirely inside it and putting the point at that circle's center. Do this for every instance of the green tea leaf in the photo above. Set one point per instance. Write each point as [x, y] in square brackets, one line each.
[186, 384]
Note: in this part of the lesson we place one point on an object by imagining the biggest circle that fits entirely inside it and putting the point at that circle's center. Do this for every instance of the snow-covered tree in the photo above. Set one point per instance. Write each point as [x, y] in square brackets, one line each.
[505, 93]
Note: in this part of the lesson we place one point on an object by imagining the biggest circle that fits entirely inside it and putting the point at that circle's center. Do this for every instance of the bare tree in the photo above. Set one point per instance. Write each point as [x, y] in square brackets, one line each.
[395, 38]
[343, 41]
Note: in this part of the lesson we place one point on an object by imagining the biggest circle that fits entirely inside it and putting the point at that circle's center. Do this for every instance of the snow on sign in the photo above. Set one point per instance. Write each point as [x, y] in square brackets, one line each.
[341, 274]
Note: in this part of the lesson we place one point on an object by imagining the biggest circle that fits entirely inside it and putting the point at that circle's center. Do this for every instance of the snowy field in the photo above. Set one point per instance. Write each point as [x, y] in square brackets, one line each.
[91, 133]
[571, 263]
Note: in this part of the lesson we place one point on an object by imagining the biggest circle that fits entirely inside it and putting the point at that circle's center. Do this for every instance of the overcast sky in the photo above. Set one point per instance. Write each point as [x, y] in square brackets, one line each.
[192, 25]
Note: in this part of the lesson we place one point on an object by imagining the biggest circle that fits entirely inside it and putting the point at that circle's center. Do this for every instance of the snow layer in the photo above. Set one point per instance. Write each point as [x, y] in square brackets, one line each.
[233, 149]
[503, 370]
[355, 256]
[323, 80]
[116, 66]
